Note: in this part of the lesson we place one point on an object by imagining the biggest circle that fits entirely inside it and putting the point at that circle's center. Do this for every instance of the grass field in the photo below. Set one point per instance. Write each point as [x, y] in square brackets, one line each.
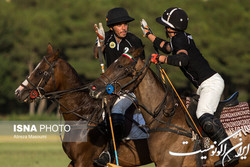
[35, 154]
[26, 154]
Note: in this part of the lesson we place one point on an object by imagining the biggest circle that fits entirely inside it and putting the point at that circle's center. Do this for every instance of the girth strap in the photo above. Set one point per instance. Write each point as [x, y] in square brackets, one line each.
[187, 134]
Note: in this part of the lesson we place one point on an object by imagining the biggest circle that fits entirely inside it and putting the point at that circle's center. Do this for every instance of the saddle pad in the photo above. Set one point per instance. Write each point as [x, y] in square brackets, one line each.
[233, 118]
[236, 117]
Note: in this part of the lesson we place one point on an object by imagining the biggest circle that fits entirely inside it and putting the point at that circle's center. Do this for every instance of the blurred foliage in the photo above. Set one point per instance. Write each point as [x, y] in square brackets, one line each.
[26, 117]
[219, 28]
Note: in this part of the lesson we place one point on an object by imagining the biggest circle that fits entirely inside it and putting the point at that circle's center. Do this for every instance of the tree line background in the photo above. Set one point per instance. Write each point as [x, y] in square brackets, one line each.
[219, 28]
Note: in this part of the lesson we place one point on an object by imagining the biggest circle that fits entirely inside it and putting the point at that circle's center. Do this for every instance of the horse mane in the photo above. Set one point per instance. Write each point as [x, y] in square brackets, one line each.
[157, 78]
[75, 74]
[136, 52]
[89, 104]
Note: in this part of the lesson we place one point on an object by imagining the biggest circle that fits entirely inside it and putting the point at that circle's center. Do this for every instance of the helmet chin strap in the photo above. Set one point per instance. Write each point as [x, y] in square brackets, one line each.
[167, 32]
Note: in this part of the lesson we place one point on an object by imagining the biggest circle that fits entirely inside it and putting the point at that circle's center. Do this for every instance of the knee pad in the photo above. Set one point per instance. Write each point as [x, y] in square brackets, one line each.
[206, 122]
[214, 129]
[210, 124]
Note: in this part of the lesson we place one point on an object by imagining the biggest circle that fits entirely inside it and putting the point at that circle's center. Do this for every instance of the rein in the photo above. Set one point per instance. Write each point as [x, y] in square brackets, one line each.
[127, 73]
[55, 95]
[38, 91]
[137, 78]
[58, 94]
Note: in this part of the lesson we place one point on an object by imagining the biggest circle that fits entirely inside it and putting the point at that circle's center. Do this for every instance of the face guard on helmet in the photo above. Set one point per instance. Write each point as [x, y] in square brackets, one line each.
[174, 18]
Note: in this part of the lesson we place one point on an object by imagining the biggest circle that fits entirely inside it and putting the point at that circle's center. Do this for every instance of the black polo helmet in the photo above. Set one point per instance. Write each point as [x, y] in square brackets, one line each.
[174, 18]
[117, 15]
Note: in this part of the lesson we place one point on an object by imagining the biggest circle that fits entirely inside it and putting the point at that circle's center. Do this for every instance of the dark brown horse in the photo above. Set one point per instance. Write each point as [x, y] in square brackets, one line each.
[54, 78]
[162, 112]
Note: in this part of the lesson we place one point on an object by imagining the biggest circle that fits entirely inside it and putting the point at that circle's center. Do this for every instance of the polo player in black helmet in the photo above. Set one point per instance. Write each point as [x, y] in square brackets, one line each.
[195, 67]
[114, 43]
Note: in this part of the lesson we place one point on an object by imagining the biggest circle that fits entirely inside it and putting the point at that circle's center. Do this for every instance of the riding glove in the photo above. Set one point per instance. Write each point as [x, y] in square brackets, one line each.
[100, 32]
[155, 58]
[145, 28]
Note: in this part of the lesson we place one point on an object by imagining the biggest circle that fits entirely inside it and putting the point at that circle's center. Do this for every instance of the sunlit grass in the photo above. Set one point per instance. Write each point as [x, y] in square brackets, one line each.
[32, 155]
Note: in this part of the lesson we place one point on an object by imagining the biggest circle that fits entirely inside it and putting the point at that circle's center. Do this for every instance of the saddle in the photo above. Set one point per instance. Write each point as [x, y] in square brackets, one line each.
[232, 101]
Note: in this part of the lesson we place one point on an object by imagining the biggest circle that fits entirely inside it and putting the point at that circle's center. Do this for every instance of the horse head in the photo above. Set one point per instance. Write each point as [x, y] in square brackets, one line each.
[41, 79]
[120, 75]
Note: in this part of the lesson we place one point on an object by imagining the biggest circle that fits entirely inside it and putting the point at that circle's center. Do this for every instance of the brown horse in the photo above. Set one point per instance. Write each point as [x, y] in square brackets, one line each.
[54, 78]
[162, 112]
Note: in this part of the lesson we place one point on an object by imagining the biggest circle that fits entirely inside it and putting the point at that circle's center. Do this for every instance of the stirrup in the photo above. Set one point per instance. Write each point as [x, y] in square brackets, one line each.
[103, 159]
[228, 163]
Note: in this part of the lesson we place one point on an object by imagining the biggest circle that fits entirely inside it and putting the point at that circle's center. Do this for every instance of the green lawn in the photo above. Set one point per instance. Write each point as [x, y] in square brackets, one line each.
[40, 154]
[28, 154]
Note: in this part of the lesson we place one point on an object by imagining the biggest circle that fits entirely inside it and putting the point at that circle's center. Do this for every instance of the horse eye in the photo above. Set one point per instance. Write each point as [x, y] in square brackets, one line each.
[120, 66]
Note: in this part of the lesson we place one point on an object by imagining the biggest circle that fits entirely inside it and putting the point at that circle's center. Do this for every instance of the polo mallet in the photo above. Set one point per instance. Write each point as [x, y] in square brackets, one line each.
[99, 49]
[183, 105]
[107, 102]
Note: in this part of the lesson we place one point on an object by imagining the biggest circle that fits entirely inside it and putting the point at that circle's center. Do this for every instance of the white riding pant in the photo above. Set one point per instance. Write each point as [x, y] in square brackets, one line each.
[210, 92]
[123, 103]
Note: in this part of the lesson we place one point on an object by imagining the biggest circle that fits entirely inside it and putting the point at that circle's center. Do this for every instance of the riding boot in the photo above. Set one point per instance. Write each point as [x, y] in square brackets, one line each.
[215, 131]
[118, 129]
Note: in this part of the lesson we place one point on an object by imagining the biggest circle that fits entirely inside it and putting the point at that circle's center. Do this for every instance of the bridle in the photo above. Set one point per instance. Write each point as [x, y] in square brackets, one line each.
[37, 91]
[136, 78]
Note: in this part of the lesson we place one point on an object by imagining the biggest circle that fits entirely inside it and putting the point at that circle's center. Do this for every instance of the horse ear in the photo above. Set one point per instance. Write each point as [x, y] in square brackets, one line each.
[52, 56]
[50, 49]
[137, 52]
[56, 55]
